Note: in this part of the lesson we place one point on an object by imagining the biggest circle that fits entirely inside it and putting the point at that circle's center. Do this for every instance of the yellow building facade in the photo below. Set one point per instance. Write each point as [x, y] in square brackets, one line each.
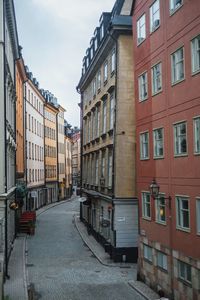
[51, 153]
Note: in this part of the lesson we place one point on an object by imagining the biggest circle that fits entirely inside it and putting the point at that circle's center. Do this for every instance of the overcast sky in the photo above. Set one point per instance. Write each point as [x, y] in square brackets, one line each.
[54, 35]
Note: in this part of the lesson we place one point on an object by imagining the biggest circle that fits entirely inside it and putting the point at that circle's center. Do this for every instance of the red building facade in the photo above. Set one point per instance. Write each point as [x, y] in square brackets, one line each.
[167, 74]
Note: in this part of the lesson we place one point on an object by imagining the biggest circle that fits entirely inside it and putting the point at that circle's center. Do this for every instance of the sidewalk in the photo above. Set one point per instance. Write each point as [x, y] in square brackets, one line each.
[104, 259]
[16, 288]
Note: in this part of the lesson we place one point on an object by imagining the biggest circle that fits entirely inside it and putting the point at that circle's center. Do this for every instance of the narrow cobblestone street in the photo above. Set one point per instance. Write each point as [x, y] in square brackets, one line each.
[60, 266]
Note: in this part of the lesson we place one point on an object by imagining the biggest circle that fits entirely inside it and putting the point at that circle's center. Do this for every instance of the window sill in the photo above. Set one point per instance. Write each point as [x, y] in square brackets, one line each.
[197, 153]
[138, 44]
[112, 73]
[178, 81]
[97, 139]
[173, 11]
[142, 100]
[157, 93]
[186, 230]
[195, 72]
[141, 158]
[181, 155]
[146, 218]
[103, 136]
[185, 282]
[148, 261]
[158, 157]
[98, 91]
[105, 82]
[155, 28]
[161, 223]
[161, 269]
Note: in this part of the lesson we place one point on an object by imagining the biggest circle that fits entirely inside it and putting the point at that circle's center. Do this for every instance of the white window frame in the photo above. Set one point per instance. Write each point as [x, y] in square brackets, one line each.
[156, 78]
[156, 142]
[195, 54]
[94, 87]
[105, 72]
[180, 210]
[162, 260]
[148, 253]
[143, 86]
[183, 274]
[146, 205]
[158, 207]
[173, 6]
[97, 169]
[196, 135]
[178, 138]
[113, 60]
[104, 117]
[112, 109]
[110, 166]
[198, 214]
[176, 62]
[154, 16]
[143, 154]
[141, 22]
[99, 80]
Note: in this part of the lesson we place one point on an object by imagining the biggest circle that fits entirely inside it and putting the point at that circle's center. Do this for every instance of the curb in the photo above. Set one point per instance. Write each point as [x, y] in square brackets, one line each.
[45, 208]
[138, 291]
[93, 251]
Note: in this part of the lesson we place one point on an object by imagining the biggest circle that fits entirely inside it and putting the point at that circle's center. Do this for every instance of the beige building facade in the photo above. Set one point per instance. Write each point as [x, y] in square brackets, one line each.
[110, 206]
[61, 152]
[68, 166]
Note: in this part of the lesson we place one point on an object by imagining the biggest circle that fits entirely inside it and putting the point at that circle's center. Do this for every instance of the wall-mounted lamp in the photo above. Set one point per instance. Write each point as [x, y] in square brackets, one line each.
[154, 191]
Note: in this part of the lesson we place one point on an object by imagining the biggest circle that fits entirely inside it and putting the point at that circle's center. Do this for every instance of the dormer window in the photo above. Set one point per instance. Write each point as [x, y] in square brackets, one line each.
[95, 44]
[101, 31]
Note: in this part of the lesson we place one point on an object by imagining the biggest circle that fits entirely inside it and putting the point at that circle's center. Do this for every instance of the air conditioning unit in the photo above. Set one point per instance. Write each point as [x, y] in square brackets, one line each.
[156, 23]
[178, 2]
[140, 40]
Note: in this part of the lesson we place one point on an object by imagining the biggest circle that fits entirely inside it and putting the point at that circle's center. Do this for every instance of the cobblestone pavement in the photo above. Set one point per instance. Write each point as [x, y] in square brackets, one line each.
[60, 265]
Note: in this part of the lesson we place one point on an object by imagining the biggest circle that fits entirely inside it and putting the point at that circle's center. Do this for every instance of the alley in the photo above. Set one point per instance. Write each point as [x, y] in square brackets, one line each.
[60, 266]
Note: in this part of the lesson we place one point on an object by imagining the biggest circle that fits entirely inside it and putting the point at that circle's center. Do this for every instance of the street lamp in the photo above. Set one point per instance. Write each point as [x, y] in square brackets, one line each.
[154, 191]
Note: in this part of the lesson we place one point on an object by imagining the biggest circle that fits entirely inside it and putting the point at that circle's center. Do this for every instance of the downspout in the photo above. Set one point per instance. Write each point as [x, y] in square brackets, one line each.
[57, 156]
[5, 132]
[81, 135]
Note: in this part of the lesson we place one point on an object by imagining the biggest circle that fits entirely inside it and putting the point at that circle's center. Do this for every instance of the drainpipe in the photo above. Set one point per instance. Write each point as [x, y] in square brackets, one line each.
[81, 135]
[57, 156]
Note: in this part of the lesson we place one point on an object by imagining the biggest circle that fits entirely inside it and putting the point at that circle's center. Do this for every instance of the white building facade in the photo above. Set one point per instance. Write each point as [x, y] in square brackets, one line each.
[35, 176]
[8, 54]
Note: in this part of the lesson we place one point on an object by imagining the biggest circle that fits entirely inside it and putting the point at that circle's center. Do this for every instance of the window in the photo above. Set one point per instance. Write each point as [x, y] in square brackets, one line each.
[105, 72]
[197, 135]
[184, 271]
[97, 170]
[112, 110]
[97, 121]
[160, 210]
[110, 168]
[155, 15]
[198, 214]
[156, 79]
[180, 140]
[195, 51]
[104, 117]
[142, 81]
[146, 205]
[162, 260]
[175, 4]
[88, 129]
[29, 149]
[99, 80]
[144, 145]
[158, 142]
[113, 57]
[103, 165]
[94, 87]
[141, 30]
[32, 151]
[177, 61]
[182, 212]
[147, 252]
